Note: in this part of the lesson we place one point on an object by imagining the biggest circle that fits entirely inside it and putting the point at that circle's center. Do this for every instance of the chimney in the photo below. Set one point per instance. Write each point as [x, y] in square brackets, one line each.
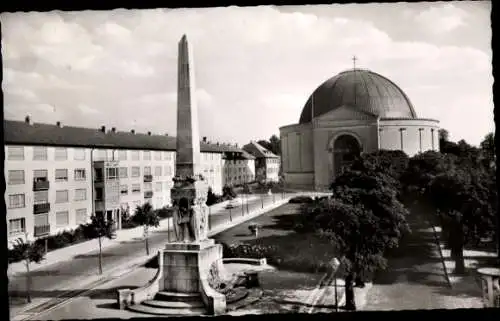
[103, 129]
[166, 134]
[59, 124]
[132, 131]
[149, 133]
[27, 120]
[217, 143]
[113, 129]
[205, 139]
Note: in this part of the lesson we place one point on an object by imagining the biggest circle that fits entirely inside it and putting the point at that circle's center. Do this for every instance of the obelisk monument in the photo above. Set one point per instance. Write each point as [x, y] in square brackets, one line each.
[189, 193]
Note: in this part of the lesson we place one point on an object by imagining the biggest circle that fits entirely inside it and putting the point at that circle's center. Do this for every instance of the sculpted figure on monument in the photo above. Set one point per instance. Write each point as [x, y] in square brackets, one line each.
[183, 217]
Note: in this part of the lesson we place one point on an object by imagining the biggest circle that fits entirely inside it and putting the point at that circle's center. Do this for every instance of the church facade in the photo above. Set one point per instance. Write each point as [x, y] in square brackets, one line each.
[356, 111]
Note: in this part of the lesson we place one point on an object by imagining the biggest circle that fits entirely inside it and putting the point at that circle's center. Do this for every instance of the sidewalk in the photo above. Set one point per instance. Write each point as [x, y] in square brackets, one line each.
[116, 271]
[415, 277]
[67, 253]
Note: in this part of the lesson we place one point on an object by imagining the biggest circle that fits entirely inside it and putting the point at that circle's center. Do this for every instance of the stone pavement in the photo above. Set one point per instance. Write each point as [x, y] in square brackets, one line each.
[415, 277]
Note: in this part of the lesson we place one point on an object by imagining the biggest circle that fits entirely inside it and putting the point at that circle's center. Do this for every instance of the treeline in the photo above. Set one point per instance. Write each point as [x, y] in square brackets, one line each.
[367, 212]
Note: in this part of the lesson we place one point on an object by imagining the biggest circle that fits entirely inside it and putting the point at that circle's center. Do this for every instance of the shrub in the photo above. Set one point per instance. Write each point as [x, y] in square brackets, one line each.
[301, 200]
[165, 212]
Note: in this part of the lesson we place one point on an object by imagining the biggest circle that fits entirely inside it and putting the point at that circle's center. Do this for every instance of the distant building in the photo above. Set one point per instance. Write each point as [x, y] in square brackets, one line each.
[57, 176]
[356, 111]
[239, 168]
[267, 164]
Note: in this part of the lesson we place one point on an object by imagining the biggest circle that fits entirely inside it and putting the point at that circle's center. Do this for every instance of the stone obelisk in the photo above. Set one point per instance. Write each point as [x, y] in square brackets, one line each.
[190, 189]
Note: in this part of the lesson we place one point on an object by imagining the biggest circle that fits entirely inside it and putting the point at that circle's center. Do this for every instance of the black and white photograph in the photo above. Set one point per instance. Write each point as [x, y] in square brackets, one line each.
[250, 160]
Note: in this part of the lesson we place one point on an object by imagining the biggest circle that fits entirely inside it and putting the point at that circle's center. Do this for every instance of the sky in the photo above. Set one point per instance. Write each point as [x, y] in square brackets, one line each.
[255, 67]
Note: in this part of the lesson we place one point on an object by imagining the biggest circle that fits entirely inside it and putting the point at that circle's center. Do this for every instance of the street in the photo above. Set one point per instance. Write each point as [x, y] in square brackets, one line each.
[56, 279]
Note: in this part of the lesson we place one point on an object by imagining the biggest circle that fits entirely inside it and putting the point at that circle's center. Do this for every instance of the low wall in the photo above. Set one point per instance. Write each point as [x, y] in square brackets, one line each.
[127, 297]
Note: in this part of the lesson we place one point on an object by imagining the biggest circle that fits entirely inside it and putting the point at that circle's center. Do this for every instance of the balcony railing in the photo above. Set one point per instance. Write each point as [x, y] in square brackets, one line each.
[148, 178]
[148, 194]
[42, 230]
[41, 208]
[98, 179]
[41, 185]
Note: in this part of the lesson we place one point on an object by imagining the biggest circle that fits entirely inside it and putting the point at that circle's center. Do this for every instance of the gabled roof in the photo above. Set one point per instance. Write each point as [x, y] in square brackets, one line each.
[258, 150]
[23, 133]
[247, 155]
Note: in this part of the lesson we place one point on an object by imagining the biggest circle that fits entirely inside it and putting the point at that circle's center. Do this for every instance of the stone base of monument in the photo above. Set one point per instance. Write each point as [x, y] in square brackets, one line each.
[180, 286]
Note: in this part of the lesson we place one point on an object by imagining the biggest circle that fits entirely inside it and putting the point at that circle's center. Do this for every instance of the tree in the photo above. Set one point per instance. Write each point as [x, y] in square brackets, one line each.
[488, 147]
[29, 252]
[211, 197]
[145, 216]
[98, 228]
[273, 144]
[363, 218]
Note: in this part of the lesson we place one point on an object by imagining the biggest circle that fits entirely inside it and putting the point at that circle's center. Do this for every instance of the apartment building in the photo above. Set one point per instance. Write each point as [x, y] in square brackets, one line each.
[239, 168]
[267, 164]
[57, 176]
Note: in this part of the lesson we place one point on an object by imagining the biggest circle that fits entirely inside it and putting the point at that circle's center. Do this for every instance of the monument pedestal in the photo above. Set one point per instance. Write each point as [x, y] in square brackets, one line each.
[184, 264]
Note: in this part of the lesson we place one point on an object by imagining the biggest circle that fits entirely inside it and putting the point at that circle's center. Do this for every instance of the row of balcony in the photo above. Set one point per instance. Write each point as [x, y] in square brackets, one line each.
[147, 178]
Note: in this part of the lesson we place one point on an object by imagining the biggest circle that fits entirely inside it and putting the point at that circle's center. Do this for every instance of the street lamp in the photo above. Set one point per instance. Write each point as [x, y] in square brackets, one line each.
[334, 263]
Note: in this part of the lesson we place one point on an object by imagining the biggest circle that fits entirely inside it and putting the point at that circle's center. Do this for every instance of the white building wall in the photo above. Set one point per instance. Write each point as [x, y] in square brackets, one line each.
[28, 165]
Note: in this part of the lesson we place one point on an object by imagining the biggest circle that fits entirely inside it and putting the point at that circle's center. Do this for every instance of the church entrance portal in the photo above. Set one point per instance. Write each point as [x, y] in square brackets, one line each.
[345, 149]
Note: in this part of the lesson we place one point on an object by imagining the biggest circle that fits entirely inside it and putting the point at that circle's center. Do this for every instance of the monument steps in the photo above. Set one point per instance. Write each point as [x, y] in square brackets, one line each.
[177, 296]
[174, 304]
[167, 311]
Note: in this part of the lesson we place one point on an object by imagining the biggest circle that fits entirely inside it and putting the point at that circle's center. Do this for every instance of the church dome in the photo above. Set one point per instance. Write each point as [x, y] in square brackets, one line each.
[361, 89]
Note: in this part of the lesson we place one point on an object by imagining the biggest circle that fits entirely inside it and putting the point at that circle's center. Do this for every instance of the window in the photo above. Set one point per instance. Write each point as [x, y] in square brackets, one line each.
[147, 170]
[16, 177]
[134, 155]
[165, 186]
[158, 186]
[136, 171]
[98, 194]
[62, 219]
[39, 153]
[61, 175]
[158, 171]
[61, 154]
[17, 226]
[123, 171]
[81, 216]
[124, 189]
[79, 154]
[15, 153]
[122, 155]
[158, 156]
[42, 219]
[16, 201]
[136, 188]
[40, 197]
[148, 186]
[168, 170]
[166, 155]
[62, 196]
[80, 174]
[112, 172]
[40, 175]
[146, 155]
[80, 194]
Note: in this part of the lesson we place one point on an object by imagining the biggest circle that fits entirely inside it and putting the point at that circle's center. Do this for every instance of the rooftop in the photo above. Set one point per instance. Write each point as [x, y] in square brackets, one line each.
[28, 133]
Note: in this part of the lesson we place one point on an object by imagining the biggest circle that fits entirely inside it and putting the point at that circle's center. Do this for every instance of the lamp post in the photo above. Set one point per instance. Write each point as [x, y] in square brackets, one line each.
[334, 263]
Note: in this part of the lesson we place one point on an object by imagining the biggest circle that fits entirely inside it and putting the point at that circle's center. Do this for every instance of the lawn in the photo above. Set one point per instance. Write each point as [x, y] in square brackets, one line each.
[279, 242]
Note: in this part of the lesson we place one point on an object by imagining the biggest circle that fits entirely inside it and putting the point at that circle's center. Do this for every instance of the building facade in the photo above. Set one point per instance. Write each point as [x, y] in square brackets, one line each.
[58, 176]
[239, 168]
[356, 111]
[267, 164]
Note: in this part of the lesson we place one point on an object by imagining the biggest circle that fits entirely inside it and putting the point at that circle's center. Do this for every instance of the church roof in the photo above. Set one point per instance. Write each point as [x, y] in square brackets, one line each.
[362, 89]
[24, 133]
[258, 150]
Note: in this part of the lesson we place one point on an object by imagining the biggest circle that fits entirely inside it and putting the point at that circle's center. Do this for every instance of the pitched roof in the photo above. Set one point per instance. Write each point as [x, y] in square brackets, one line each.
[258, 150]
[23, 133]
[247, 155]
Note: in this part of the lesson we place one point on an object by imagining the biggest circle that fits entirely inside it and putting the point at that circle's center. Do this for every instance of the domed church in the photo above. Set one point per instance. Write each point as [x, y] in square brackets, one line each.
[356, 111]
